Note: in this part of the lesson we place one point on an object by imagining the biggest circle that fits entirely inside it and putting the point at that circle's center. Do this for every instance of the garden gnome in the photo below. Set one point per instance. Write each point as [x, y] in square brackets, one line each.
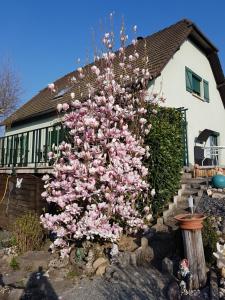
[185, 274]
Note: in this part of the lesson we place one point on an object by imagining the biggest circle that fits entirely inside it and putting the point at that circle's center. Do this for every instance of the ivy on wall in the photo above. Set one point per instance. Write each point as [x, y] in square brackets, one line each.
[166, 155]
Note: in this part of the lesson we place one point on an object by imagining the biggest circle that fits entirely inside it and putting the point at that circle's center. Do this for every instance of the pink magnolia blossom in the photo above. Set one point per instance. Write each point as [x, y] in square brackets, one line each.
[51, 87]
[99, 179]
[65, 106]
[59, 107]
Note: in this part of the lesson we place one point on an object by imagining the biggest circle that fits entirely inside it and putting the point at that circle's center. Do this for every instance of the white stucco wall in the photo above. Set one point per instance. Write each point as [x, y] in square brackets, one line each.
[200, 115]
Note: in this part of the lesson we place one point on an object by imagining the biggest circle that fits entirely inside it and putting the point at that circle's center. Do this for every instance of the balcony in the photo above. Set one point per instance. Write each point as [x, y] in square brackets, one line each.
[27, 152]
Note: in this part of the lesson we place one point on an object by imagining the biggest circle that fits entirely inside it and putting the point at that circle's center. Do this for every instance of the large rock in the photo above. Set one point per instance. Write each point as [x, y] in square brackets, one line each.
[173, 291]
[144, 255]
[101, 269]
[218, 195]
[5, 239]
[167, 265]
[127, 243]
[99, 261]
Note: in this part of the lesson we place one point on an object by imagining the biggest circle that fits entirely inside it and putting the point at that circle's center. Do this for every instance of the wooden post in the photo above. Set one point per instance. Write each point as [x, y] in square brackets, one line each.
[194, 252]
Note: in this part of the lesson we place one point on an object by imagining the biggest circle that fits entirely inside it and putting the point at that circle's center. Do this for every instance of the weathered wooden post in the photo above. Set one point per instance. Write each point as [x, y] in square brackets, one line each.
[191, 225]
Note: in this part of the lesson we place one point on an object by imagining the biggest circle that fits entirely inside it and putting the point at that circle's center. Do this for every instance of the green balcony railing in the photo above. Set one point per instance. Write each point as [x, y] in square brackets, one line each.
[30, 147]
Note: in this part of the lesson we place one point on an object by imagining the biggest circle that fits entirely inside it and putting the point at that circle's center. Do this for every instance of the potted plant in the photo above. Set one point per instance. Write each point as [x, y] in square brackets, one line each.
[190, 221]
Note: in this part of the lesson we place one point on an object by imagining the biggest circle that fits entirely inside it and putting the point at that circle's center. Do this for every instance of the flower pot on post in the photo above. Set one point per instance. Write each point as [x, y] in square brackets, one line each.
[191, 225]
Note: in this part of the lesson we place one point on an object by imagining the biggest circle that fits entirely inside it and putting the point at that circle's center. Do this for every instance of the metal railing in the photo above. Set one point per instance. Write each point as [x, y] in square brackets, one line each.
[30, 148]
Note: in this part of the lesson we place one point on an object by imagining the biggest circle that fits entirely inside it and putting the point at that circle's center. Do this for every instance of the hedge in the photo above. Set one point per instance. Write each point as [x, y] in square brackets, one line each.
[166, 155]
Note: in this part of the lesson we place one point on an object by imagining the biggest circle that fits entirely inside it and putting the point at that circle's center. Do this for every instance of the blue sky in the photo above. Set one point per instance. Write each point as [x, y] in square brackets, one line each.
[44, 38]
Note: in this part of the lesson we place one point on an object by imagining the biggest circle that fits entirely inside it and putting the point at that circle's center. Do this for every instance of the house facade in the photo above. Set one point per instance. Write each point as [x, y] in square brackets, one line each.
[185, 67]
[188, 81]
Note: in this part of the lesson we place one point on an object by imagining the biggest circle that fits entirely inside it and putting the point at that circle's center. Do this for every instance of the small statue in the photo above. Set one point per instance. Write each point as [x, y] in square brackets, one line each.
[185, 276]
[220, 255]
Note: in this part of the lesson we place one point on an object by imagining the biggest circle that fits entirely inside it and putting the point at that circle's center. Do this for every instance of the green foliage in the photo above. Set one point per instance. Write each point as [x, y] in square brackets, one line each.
[166, 155]
[209, 238]
[14, 264]
[72, 274]
[28, 232]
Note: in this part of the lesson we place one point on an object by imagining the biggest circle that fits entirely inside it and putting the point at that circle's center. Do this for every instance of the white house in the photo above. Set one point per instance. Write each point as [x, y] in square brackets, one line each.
[184, 65]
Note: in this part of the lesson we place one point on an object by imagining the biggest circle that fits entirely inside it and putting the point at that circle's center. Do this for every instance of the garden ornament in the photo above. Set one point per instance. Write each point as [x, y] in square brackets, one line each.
[19, 182]
[114, 251]
[220, 255]
[184, 268]
[209, 192]
[185, 276]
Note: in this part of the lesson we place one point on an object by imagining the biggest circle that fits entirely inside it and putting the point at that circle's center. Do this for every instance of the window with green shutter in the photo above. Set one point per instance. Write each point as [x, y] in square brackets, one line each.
[206, 90]
[196, 85]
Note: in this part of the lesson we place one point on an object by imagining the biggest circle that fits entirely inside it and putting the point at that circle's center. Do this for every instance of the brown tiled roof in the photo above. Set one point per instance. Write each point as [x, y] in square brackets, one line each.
[160, 48]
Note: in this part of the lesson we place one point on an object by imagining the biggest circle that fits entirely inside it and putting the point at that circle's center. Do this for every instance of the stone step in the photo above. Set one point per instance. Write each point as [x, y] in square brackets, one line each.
[194, 180]
[188, 192]
[185, 186]
[186, 176]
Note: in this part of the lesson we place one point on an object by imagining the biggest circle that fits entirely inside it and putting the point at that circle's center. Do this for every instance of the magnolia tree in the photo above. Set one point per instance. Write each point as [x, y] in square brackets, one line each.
[99, 182]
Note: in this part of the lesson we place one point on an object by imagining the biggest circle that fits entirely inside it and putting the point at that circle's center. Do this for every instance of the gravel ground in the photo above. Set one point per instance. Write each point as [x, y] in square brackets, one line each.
[211, 206]
[131, 283]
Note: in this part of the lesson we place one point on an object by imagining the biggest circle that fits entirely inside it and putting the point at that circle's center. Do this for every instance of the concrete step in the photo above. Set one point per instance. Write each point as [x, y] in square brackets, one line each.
[186, 176]
[185, 186]
[191, 191]
[194, 180]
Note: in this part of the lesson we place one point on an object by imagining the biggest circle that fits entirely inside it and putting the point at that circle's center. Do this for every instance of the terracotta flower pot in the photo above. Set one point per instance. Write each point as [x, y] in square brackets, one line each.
[190, 221]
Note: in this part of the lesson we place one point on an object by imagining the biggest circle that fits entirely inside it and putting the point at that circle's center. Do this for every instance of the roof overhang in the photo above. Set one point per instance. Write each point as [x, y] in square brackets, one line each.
[204, 135]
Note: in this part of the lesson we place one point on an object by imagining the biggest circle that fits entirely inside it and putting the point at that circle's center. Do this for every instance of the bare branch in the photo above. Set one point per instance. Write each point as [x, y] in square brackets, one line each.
[10, 89]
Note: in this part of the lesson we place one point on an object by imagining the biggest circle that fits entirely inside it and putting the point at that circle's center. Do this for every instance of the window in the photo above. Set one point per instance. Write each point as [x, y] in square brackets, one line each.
[196, 85]
[62, 92]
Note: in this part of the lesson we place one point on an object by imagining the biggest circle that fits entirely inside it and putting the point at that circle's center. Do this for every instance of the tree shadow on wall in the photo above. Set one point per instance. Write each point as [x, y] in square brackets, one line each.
[38, 287]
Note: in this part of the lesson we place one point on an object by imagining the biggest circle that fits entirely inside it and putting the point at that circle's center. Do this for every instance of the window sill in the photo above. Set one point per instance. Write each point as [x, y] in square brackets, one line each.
[199, 97]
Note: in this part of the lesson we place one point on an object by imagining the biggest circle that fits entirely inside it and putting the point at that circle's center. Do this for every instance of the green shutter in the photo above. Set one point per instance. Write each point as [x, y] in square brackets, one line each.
[188, 75]
[206, 90]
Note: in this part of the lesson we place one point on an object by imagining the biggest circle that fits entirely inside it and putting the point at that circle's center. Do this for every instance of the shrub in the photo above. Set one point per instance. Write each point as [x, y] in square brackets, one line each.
[166, 155]
[14, 264]
[27, 232]
[210, 238]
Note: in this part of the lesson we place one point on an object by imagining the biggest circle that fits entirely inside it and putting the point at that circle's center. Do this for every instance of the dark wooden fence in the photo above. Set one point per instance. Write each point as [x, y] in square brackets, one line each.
[19, 201]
